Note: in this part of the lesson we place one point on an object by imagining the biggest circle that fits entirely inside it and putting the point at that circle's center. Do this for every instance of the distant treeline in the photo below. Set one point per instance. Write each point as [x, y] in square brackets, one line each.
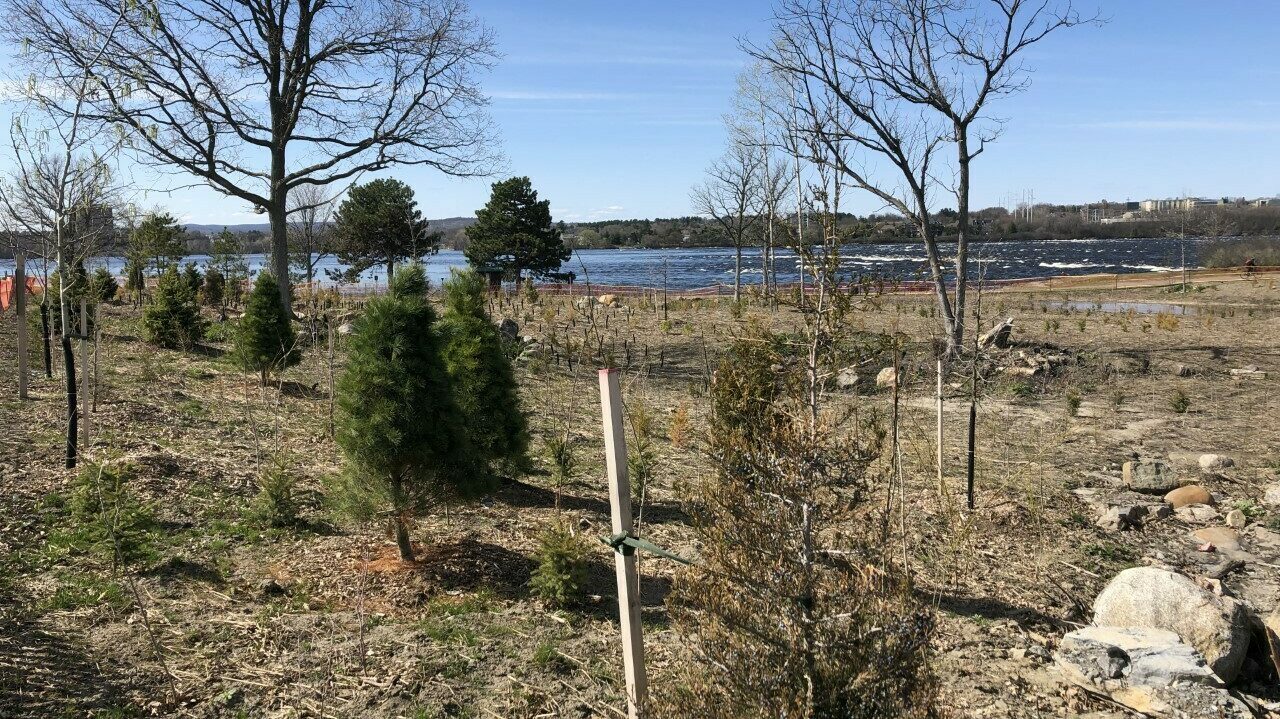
[1046, 222]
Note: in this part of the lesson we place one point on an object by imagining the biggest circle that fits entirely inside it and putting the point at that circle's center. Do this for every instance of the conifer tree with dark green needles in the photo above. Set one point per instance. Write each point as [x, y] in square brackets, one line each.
[403, 436]
[173, 318]
[484, 383]
[265, 340]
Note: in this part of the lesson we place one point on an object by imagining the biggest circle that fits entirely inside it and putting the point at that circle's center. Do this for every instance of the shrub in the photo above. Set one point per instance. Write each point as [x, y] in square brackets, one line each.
[105, 515]
[276, 506]
[1074, 401]
[173, 319]
[215, 288]
[795, 609]
[563, 461]
[193, 277]
[561, 575]
[103, 286]
[678, 431]
[265, 340]
[401, 432]
[1180, 402]
[484, 384]
[1265, 252]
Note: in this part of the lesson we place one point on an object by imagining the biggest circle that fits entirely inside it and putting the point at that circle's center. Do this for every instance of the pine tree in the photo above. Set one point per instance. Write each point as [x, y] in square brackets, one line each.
[265, 340]
[193, 277]
[77, 279]
[379, 224]
[484, 384]
[103, 285]
[215, 286]
[399, 428]
[796, 609]
[173, 318]
[514, 232]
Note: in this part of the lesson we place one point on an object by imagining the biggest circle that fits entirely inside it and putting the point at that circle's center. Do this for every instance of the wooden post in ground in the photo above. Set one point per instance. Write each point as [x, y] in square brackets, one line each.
[624, 560]
[84, 374]
[20, 305]
[941, 488]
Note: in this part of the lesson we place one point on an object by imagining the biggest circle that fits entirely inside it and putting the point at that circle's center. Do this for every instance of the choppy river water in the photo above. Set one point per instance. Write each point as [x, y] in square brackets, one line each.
[706, 267]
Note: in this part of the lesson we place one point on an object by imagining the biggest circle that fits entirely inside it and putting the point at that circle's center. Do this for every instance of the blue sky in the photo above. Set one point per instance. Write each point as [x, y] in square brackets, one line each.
[614, 109]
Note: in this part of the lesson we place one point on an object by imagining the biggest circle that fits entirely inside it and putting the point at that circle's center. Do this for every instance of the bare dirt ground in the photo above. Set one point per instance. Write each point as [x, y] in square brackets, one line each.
[217, 616]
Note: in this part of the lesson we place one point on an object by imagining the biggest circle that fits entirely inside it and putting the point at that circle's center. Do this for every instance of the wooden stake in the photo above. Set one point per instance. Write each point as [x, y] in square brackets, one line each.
[84, 374]
[20, 304]
[940, 485]
[615, 448]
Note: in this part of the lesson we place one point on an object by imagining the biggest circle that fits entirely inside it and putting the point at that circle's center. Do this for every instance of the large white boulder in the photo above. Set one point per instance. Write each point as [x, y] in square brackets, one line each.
[1157, 598]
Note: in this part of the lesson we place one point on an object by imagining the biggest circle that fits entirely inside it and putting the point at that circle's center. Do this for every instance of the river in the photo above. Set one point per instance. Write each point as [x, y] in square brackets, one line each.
[686, 269]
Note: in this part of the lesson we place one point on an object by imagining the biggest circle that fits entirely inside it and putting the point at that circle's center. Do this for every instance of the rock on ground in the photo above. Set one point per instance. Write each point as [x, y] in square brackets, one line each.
[1214, 462]
[1128, 510]
[1149, 670]
[1160, 599]
[1190, 494]
[1272, 495]
[1197, 513]
[1151, 476]
[1236, 519]
[847, 378]
[1220, 537]
[887, 378]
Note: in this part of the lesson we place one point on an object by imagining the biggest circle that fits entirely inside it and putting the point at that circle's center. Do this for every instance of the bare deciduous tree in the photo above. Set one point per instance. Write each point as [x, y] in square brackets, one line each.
[259, 97]
[61, 191]
[911, 75]
[310, 213]
[730, 197]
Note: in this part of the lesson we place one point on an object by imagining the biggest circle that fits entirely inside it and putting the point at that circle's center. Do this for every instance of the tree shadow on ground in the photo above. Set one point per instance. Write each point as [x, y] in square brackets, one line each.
[43, 674]
[469, 564]
[182, 569]
[992, 608]
[515, 493]
[602, 582]
[209, 351]
[291, 388]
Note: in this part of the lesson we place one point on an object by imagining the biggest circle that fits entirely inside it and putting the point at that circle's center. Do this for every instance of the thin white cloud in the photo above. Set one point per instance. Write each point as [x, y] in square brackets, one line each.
[633, 59]
[557, 96]
[589, 215]
[1211, 125]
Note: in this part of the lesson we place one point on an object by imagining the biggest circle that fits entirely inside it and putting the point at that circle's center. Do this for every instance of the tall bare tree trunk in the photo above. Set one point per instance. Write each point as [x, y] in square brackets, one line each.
[955, 335]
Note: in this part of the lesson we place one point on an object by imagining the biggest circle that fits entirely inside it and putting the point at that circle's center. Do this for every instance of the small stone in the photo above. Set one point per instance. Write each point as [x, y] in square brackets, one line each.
[346, 328]
[1215, 462]
[887, 378]
[1249, 372]
[1190, 494]
[847, 378]
[1220, 537]
[609, 300]
[1181, 370]
[1151, 476]
[1236, 519]
[1197, 513]
[1272, 495]
[269, 587]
